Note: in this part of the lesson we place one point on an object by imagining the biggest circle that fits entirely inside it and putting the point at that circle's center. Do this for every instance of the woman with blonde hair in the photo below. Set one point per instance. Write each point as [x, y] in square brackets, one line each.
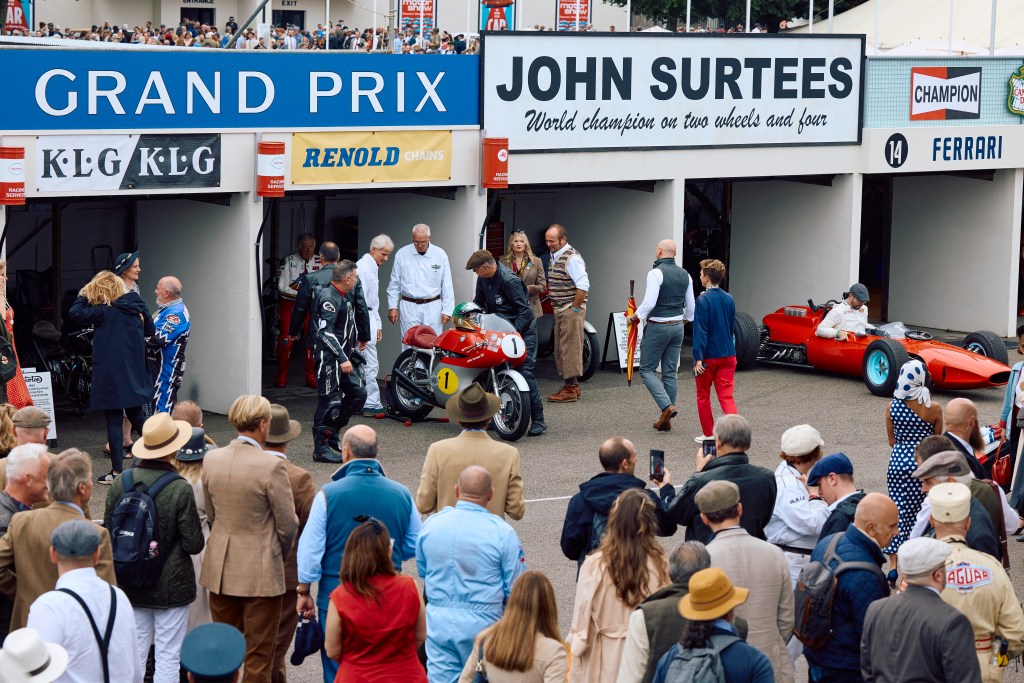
[524, 646]
[520, 260]
[7, 438]
[627, 566]
[120, 379]
[15, 391]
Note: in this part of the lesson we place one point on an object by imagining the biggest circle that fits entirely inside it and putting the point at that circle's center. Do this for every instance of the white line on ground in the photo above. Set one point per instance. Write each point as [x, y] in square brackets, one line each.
[545, 500]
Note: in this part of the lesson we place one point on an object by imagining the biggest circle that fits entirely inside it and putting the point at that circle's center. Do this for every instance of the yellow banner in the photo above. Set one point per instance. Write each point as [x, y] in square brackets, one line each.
[371, 157]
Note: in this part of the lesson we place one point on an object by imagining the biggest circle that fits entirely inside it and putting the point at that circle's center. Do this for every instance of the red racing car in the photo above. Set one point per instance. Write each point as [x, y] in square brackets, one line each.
[787, 338]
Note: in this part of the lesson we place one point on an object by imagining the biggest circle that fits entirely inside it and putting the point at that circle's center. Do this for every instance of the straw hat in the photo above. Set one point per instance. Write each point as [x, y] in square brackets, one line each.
[711, 596]
[161, 436]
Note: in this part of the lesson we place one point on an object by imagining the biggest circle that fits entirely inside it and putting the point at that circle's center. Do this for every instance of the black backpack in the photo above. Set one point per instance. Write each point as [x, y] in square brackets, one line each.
[815, 592]
[135, 534]
[597, 525]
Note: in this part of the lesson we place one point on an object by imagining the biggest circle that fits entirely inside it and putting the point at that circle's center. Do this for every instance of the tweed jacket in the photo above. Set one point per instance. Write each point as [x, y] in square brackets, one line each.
[762, 568]
[447, 458]
[25, 568]
[250, 507]
[303, 492]
[532, 274]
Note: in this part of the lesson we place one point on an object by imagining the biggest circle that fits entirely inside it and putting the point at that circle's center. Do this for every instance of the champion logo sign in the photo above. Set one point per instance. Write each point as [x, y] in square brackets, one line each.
[964, 577]
[943, 93]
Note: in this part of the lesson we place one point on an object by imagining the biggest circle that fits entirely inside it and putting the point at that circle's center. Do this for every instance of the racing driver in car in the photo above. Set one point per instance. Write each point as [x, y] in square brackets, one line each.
[849, 317]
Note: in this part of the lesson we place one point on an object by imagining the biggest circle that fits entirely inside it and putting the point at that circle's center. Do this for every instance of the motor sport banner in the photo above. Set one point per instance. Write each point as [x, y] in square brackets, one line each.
[940, 93]
[497, 15]
[413, 10]
[593, 92]
[111, 91]
[568, 11]
[19, 16]
[74, 163]
[371, 157]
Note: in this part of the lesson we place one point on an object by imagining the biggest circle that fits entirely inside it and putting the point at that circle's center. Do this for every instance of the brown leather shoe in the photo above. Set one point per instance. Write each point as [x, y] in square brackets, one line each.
[566, 394]
[664, 423]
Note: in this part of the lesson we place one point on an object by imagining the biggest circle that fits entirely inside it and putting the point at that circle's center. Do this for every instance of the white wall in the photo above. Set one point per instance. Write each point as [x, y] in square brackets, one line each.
[454, 226]
[210, 248]
[955, 251]
[793, 241]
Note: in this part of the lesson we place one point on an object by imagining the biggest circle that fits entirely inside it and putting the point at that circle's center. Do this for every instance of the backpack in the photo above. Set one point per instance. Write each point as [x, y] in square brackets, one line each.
[135, 534]
[597, 525]
[700, 665]
[816, 590]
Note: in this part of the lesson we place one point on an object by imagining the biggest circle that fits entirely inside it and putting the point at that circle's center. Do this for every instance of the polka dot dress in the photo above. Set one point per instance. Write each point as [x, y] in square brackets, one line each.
[909, 430]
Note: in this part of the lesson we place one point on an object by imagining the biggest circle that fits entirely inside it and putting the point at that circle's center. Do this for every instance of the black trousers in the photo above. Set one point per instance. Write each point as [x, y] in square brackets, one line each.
[338, 397]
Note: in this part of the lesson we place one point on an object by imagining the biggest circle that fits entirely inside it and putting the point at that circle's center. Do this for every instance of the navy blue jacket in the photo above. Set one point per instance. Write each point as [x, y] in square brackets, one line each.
[741, 663]
[120, 376]
[713, 320]
[857, 589]
[596, 496]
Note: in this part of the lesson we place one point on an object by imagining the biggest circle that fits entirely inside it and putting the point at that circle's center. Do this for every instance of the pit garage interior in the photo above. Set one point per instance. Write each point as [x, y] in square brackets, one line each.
[967, 221]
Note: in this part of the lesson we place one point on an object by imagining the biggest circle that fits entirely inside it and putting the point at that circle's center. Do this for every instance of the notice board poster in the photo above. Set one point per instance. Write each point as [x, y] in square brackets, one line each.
[40, 388]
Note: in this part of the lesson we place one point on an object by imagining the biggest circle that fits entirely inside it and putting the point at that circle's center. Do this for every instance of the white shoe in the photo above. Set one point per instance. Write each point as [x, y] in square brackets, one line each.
[702, 438]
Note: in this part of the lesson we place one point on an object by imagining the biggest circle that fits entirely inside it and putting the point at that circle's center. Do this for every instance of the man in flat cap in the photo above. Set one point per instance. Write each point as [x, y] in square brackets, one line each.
[213, 652]
[914, 635]
[756, 564]
[833, 475]
[502, 292]
[951, 466]
[63, 615]
[977, 584]
[848, 318]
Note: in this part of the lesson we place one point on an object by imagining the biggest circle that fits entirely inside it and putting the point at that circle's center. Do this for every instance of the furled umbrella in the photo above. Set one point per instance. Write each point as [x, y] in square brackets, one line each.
[633, 331]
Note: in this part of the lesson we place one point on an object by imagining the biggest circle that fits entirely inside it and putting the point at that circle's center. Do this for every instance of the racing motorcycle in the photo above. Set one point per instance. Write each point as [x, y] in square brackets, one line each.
[482, 348]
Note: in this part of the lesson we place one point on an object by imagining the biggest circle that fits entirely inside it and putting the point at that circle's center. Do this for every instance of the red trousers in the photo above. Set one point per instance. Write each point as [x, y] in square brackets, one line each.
[284, 345]
[721, 372]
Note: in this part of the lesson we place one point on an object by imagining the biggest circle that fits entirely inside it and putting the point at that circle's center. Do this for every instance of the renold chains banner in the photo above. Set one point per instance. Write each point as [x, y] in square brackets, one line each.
[590, 93]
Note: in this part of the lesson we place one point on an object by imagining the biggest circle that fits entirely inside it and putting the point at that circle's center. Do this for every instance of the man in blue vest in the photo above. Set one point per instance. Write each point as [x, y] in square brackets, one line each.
[359, 487]
[667, 306]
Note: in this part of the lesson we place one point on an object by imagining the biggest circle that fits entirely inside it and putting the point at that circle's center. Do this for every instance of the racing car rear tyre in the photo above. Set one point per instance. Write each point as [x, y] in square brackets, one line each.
[987, 344]
[880, 369]
[747, 337]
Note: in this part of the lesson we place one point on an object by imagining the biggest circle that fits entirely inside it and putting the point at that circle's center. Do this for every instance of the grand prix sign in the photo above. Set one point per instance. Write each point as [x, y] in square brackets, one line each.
[588, 92]
[940, 93]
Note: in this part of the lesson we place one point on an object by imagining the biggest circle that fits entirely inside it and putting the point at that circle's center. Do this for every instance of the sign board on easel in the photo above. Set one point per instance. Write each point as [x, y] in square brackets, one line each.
[41, 390]
[617, 323]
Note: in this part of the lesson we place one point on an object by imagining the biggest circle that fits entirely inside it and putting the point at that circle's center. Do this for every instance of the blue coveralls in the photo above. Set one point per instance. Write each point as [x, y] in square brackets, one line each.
[468, 560]
[167, 347]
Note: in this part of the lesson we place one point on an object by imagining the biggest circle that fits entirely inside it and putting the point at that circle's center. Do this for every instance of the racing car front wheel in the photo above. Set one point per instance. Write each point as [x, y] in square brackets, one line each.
[985, 343]
[881, 366]
[746, 336]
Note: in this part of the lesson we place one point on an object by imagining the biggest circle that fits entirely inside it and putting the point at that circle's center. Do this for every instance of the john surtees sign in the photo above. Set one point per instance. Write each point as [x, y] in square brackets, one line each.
[590, 92]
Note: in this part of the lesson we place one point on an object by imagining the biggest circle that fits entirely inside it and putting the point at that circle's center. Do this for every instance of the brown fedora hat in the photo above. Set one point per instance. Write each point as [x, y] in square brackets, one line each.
[161, 436]
[282, 428]
[472, 404]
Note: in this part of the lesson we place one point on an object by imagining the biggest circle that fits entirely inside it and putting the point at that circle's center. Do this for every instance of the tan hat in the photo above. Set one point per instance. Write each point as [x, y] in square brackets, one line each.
[921, 556]
[161, 436]
[479, 258]
[951, 502]
[31, 417]
[711, 596]
[282, 428]
[717, 496]
[472, 404]
[801, 440]
[944, 464]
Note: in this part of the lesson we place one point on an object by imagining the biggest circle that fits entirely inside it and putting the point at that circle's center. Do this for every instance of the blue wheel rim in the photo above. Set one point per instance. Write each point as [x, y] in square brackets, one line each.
[878, 367]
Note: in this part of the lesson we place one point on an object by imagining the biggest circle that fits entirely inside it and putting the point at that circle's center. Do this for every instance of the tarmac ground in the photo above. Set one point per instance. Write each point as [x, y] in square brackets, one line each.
[849, 418]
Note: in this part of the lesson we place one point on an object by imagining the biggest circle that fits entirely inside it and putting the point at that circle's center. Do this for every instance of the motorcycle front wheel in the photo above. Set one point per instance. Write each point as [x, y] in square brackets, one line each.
[513, 418]
[410, 363]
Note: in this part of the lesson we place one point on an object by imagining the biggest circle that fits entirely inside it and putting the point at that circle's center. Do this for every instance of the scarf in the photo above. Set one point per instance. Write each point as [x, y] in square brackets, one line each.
[911, 384]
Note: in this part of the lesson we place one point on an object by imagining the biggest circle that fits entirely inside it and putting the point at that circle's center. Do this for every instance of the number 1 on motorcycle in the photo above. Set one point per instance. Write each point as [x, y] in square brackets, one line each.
[447, 381]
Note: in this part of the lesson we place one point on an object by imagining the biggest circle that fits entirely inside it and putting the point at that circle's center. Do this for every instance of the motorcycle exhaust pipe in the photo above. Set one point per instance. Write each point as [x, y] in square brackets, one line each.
[412, 387]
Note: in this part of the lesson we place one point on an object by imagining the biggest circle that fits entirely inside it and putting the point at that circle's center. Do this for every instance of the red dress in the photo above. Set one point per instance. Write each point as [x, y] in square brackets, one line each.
[379, 641]
[17, 390]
